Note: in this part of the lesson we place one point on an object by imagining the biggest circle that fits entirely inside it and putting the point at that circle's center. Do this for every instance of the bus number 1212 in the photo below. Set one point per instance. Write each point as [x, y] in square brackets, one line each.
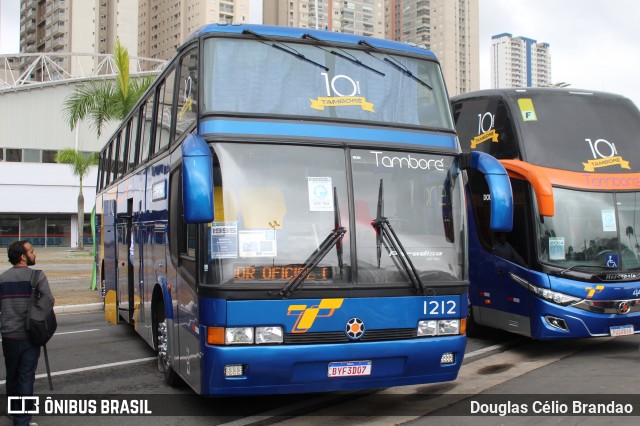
[440, 307]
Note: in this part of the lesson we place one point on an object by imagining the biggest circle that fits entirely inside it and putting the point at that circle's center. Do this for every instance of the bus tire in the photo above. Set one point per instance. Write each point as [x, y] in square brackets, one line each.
[162, 346]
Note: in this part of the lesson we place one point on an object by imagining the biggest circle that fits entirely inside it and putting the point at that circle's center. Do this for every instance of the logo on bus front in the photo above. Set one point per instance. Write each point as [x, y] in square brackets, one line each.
[341, 92]
[307, 315]
[604, 154]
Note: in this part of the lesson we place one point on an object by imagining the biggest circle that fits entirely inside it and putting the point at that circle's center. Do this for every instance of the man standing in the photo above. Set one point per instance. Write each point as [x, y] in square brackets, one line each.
[20, 355]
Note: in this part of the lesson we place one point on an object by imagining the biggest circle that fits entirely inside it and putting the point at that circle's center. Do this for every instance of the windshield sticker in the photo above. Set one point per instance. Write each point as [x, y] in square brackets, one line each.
[604, 154]
[527, 110]
[556, 248]
[257, 243]
[320, 194]
[486, 130]
[609, 221]
[224, 240]
[341, 91]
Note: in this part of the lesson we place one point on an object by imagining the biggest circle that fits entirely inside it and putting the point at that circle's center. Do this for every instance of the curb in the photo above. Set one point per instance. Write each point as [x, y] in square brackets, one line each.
[89, 307]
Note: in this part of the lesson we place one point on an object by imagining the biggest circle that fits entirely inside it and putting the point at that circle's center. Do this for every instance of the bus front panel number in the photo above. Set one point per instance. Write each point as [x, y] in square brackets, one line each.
[440, 307]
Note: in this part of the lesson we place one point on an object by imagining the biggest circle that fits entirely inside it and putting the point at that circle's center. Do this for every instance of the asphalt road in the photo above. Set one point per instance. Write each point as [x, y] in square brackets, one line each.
[91, 359]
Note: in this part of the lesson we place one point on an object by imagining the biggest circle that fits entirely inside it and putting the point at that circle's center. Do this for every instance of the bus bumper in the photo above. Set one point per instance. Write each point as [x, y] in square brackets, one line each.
[550, 321]
[281, 369]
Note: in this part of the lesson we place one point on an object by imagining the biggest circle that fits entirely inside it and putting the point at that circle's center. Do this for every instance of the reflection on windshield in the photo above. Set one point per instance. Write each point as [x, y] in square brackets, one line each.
[418, 209]
[275, 208]
[301, 79]
[591, 228]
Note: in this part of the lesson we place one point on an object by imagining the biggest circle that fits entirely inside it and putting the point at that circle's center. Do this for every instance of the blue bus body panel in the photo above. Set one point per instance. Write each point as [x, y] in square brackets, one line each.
[328, 36]
[488, 292]
[293, 368]
[318, 131]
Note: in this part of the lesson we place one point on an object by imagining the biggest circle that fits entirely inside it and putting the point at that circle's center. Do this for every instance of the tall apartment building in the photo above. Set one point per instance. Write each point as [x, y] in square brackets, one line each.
[362, 17]
[87, 26]
[519, 62]
[163, 25]
[449, 28]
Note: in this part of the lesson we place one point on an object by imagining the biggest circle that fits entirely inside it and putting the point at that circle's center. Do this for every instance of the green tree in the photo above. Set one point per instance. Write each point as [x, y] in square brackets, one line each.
[102, 101]
[80, 164]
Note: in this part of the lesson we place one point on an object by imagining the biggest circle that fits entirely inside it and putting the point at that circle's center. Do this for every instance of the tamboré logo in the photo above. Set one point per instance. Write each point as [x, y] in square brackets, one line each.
[308, 314]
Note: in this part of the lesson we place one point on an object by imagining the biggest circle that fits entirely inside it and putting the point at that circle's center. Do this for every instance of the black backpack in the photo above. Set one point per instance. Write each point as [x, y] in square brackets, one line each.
[41, 320]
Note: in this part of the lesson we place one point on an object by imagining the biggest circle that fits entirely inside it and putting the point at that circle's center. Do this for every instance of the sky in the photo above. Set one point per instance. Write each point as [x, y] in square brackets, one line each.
[594, 44]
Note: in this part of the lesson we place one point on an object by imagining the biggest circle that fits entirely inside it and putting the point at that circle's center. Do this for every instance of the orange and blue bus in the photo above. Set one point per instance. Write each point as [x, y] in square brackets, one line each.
[283, 211]
[570, 268]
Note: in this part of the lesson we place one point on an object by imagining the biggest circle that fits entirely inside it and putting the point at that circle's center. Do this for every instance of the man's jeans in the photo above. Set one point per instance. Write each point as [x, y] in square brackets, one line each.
[21, 361]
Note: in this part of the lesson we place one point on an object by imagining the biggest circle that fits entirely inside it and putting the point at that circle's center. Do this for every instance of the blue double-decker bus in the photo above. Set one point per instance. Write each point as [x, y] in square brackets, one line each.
[571, 266]
[284, 211]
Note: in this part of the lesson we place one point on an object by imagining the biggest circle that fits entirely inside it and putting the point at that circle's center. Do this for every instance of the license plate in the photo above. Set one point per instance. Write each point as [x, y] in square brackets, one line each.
[349, 368]
[621, 330]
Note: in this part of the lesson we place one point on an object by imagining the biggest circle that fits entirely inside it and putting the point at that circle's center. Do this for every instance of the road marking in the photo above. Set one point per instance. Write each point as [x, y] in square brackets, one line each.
[74, 332]
[78, 331]
[93, 367]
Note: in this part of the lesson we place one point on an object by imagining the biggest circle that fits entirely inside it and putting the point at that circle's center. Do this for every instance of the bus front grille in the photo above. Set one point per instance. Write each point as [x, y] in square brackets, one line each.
[341, 337]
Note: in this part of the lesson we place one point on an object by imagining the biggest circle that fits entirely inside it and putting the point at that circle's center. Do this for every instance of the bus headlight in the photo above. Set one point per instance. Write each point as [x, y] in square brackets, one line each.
[238, 336]
[445, 327]
[269, 335]
[550, 295]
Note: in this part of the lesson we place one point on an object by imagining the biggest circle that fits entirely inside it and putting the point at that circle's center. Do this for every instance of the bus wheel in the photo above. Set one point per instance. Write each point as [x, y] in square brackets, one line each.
[164, 364]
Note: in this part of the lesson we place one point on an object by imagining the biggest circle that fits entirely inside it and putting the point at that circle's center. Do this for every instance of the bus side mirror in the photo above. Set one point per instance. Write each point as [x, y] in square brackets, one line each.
[197, 180]
[499, 187]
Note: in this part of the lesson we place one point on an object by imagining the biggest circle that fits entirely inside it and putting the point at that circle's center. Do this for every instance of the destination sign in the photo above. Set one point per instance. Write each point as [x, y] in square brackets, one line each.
[279, 273]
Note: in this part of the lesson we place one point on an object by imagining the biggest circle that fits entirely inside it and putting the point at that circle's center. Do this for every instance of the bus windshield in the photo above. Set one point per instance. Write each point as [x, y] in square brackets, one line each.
[575, 132]
[603, 234]
[275, 206]
[329, 83]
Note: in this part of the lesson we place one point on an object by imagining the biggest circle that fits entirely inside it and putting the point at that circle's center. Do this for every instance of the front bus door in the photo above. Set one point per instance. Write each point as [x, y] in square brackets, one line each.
[125, 264]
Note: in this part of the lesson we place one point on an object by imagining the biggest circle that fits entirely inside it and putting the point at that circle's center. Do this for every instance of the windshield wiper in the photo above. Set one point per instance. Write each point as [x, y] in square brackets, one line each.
[385, 235]
[396, 64]
[344, 55]
[285, 48]
[572, 267]
[333, 239]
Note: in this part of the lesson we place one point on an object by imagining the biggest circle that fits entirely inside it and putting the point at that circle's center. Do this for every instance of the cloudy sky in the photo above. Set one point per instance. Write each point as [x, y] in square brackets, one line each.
[593, 44]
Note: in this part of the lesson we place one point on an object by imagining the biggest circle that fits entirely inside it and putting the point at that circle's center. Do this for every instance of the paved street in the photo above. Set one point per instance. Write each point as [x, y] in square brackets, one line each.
[68, 271]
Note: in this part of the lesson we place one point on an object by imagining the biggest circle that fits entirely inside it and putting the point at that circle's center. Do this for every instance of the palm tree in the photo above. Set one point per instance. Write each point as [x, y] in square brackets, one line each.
[103, 101]
[100, 101]
[80, 164]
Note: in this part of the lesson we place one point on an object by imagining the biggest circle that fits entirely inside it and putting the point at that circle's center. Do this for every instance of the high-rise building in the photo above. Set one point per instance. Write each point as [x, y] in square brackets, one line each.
[88, 26]
[362, 17]
[519, 62]
[163, 25]
[447, 27]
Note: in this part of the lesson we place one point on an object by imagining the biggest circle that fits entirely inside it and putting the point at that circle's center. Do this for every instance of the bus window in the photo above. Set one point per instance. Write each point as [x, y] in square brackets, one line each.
[146, 129]
[163, 120]
[115, 159]
[122, 153]
[134, 142]
[108, 161]
[485, 125]
[187, 105]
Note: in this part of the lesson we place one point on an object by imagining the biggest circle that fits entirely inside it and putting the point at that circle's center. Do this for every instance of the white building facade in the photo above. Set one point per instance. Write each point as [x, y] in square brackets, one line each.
[519, 62]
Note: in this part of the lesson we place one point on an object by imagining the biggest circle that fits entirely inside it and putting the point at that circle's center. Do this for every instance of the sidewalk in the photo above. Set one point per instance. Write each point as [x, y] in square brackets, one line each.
[69, 273]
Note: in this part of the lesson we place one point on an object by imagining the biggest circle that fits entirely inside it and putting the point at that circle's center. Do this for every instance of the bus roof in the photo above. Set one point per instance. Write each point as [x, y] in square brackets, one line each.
[516, 92]
[297, 33]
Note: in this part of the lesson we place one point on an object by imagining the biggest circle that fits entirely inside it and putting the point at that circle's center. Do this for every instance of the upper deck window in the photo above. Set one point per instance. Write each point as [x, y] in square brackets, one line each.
[254, 77]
